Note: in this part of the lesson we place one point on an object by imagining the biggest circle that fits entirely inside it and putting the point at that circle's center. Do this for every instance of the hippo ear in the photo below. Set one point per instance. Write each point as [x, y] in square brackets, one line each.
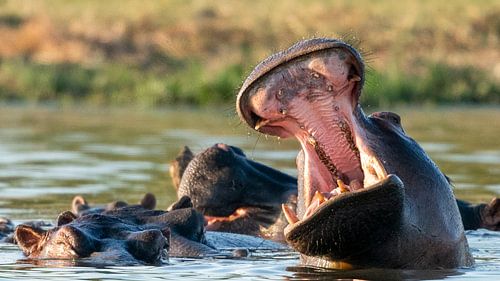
[27, 236]
[79, 204]
[148, 201]
[65, 218]
[182, 203]
[179, 165]
[167, 233]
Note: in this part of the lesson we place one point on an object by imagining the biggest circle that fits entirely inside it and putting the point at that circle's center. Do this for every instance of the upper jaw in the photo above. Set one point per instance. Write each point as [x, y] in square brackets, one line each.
[305, 48]
[311, 92]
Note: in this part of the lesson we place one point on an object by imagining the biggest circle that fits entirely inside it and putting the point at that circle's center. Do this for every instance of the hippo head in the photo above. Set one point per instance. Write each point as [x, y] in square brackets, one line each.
[362, 180]
[234, 193]
[95, 238]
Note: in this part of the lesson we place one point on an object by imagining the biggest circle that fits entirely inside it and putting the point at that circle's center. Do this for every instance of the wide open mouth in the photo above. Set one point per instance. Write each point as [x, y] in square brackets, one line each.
[314, 98]
[337, 161]
[311, 92]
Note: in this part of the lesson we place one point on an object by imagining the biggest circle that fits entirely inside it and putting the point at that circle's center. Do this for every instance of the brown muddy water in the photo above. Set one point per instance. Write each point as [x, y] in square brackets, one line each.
[47, 156]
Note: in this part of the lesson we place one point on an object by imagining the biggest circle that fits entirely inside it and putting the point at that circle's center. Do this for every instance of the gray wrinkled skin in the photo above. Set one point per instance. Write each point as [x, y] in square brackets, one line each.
[221, 179]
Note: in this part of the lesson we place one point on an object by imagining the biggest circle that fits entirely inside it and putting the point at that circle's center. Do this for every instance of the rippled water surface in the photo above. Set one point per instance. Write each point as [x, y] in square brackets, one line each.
[48, 156]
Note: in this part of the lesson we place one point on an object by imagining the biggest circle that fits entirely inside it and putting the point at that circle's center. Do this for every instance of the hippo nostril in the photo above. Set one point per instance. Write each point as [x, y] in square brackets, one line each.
[353, 74]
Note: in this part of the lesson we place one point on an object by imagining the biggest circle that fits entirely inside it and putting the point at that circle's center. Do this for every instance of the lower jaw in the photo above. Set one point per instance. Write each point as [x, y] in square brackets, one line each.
[351, 222]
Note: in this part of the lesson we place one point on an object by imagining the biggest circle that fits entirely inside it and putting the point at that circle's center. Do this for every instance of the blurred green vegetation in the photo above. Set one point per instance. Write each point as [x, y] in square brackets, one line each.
[114, 84]
[158, 53]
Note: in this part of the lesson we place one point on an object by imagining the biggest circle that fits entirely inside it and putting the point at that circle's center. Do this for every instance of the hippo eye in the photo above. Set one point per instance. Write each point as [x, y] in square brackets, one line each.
[394, 118]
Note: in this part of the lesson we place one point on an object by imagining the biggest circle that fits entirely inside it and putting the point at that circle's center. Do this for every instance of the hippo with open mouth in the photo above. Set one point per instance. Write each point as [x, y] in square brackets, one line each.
[368, 193]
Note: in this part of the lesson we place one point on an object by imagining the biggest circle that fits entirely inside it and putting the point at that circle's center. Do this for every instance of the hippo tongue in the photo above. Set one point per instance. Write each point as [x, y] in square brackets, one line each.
[347, 224]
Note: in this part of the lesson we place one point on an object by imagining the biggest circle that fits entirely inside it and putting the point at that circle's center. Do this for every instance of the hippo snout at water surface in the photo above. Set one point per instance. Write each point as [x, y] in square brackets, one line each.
[368, 194]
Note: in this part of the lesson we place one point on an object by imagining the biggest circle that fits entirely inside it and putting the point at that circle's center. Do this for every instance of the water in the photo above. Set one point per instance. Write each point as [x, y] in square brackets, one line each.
[48, 156]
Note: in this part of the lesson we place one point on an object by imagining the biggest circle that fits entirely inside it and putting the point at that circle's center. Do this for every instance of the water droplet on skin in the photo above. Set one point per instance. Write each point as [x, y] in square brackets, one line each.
[330, 88]
[265, 136]
[283, 111]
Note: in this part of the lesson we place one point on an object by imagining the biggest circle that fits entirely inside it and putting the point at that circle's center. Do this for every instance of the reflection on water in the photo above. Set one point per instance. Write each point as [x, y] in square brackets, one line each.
[48, 156]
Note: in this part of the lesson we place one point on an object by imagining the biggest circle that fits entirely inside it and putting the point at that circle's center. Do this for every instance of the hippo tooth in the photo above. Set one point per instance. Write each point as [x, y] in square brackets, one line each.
[316, 201]
[379, 168]
[343, 187]
[319, 197]
[290, 215]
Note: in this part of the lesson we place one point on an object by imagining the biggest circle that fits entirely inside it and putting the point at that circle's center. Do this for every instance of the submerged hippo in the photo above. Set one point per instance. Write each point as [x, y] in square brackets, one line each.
[223, 184]
[368, 194]
[121, 234]
[99, 238]
[131, 234]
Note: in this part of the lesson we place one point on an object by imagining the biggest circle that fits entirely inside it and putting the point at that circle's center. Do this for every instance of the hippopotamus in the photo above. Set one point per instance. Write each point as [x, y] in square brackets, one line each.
[368, 194]
[213, 172]
[234, 193]
[122, 234]
[100, 238]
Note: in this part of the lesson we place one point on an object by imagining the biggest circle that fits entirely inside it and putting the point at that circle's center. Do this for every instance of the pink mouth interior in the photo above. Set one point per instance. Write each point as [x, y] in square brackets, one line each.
[314, 100]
